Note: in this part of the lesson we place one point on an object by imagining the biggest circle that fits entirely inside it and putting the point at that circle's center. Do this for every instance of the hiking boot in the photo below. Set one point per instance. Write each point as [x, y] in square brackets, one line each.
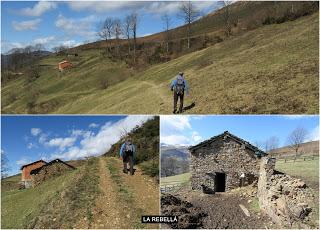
[125, 171]
[174, 111]
[180, 111]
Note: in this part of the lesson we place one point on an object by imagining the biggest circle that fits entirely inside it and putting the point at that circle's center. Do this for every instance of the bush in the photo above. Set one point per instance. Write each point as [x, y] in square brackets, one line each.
[104, 83]
[150, 168]
[268, 20]
[33, 74]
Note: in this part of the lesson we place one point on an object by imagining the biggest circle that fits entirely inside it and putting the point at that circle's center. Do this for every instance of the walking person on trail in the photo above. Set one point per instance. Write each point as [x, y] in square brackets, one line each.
[127, 152]
[178, 86]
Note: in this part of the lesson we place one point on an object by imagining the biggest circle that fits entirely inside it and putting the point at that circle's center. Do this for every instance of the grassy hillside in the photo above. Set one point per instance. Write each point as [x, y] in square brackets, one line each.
[308, 148]
[57, 203]
[272, 69]
[180, 179]
[10, 183]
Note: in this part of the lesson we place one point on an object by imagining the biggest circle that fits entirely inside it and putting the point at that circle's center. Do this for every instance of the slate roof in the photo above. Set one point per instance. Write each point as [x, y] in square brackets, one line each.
[35, 171]
[32, 163]
[257, 151]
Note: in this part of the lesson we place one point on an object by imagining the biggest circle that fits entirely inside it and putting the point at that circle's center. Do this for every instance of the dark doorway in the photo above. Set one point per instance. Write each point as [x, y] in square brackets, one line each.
[220, 182]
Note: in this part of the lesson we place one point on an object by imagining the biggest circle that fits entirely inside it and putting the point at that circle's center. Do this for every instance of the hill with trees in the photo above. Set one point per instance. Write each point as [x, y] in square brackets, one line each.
[247, 57]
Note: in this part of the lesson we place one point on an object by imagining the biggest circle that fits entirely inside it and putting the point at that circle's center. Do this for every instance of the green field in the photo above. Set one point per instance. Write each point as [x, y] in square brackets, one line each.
[177, 179]
[18, 207]
[306, 170]
[272, 69]
[67, 198]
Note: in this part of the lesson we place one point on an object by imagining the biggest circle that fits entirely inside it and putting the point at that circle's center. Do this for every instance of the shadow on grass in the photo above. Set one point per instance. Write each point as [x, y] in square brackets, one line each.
[193, 104]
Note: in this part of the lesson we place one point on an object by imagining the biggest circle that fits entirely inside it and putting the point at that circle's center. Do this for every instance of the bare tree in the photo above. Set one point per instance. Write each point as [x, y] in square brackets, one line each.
[117, 32]
[126, 29]
[133, 28]
[271, 143]
[39, 47]
[167, 23]
[189, 13]
[106, 30]
[4, 165]
[124, 133]
[296, 138]
[258, 144]
[227, 17]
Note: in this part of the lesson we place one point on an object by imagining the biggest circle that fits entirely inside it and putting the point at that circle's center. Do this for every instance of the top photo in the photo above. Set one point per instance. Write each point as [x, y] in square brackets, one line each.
[159, 57]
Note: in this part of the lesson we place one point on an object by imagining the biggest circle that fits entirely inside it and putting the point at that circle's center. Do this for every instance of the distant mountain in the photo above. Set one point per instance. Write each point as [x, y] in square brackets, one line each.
[174, 160]
[179, 152]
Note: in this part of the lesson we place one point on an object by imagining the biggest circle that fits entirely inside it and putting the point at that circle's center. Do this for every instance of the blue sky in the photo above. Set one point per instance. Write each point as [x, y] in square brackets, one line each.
[26, 139]
[76, 22]
[190, 130]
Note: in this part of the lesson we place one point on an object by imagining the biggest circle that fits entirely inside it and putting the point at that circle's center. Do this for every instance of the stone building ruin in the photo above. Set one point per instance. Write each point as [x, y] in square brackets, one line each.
[224, 162]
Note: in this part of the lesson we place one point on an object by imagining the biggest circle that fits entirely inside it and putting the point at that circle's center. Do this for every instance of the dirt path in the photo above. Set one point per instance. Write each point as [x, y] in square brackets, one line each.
[146, 190]
[124, 198]
[165, 96]
[108, 212]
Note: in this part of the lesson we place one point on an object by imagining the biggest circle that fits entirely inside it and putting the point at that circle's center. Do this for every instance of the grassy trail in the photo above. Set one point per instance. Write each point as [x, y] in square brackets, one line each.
[108, 212]
[124, 197]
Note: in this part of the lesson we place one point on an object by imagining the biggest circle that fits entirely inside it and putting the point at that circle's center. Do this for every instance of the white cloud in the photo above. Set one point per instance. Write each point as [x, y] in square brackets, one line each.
[152, 7]
[93, 125]
[196, 137]
[176, 122]
[62, 143]
[296, 117]
[35, 131]
[23, 161]
[44, 40]
[105, 6]
[80, 26]
[314, 134]
[175, 140]
[26, 25]
[38, 9]
[6, 46]
[43, 138]
[31, 145]
[101, 142]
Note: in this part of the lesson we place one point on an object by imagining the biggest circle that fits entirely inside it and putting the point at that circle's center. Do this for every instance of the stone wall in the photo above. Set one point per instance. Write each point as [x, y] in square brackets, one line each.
[285, 199]
[223, 155]
[48, 171]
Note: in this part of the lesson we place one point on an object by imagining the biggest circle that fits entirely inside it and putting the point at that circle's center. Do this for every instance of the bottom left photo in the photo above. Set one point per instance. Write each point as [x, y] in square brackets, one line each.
[79, 171]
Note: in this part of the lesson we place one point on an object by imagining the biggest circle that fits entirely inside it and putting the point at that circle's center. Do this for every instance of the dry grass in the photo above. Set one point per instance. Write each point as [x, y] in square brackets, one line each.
[273, 69]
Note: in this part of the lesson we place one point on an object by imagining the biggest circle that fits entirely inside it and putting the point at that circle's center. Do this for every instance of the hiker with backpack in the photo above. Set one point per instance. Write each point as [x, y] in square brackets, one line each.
[178, 86]
[127, 152]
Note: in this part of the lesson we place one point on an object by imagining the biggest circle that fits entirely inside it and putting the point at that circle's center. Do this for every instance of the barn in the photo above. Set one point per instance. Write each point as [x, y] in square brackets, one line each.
[26, 178]
[64, 65]
[224, 162]
[54, 168]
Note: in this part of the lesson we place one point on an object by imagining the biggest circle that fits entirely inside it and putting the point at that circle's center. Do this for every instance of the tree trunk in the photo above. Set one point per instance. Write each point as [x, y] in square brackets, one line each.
[188, 35]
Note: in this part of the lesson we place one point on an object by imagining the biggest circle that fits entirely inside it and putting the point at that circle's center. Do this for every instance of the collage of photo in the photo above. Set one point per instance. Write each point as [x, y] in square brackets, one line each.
[160, 114]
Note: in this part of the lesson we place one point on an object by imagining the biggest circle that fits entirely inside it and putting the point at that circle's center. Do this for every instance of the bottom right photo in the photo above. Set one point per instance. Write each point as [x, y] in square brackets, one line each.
[241, 171]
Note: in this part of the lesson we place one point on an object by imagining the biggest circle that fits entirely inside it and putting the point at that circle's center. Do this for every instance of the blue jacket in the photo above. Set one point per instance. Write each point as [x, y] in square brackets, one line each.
[123, 147]
[174, 82]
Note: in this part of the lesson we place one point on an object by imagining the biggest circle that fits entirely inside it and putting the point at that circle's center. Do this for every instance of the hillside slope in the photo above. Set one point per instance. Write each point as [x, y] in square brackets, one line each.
[273, 69]
[96, 195]
[308, 148]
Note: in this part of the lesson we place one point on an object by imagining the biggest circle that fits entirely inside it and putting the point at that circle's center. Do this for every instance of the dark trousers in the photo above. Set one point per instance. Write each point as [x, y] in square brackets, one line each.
[127, 158]
[175, 101]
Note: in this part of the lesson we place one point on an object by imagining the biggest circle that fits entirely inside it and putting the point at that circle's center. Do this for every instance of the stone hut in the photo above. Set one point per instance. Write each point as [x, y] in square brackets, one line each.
[26, 179]
[224, 162]
[56, 167]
